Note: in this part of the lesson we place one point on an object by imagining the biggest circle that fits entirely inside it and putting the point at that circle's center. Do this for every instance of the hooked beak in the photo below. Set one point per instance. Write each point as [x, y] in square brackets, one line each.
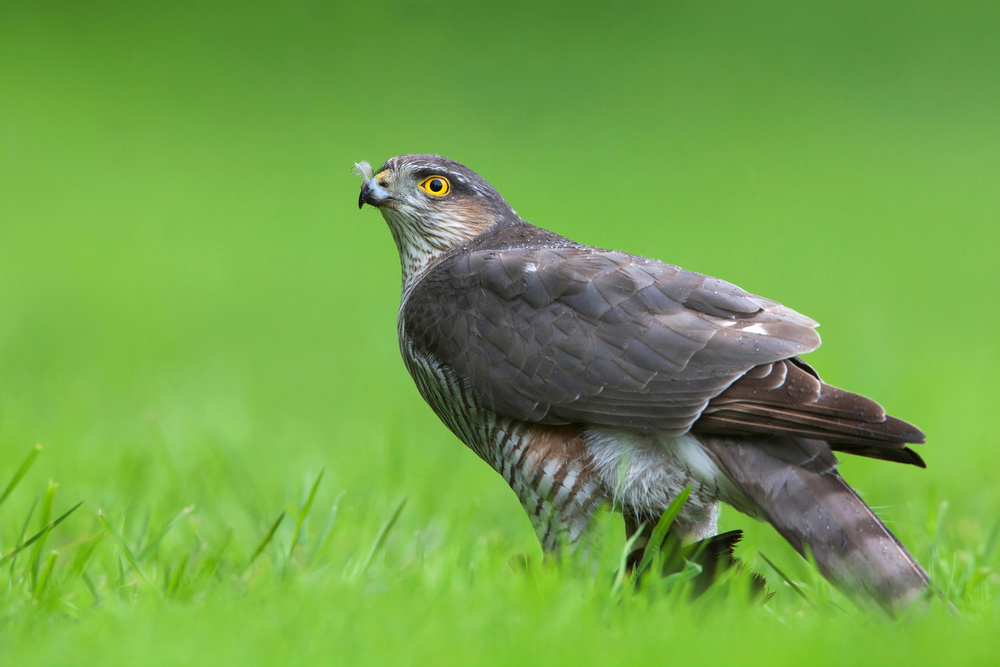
[372, 193]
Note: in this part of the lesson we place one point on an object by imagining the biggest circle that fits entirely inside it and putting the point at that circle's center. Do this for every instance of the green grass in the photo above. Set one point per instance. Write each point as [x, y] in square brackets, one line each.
[198, 326]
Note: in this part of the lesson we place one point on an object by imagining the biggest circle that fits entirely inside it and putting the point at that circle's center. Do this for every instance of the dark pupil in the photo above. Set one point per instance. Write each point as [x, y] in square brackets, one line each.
[436, 185]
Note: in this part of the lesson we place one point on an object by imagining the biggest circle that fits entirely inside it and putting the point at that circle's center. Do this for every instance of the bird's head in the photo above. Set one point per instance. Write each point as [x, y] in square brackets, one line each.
[432, 205]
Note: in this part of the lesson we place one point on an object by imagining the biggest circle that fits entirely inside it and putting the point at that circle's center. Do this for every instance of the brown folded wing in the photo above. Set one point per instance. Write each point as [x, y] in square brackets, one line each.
[545, 330]
[788, 398]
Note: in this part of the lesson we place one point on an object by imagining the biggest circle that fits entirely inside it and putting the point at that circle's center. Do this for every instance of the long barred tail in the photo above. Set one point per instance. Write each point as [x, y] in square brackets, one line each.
[794, 483]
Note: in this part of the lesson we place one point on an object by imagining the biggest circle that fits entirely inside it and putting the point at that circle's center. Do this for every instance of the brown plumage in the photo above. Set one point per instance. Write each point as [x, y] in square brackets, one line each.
[584, 375]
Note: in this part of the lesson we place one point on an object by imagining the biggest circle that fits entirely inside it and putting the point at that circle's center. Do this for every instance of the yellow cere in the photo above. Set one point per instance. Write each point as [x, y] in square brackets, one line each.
[436, 185]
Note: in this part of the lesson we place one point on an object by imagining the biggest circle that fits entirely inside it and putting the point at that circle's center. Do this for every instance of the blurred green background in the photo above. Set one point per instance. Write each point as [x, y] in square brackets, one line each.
[193, 310]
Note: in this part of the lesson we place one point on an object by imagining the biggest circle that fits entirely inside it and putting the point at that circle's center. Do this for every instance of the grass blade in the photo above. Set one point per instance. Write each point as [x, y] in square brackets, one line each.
[787, 579]
[46, 575]
[324, 533]
[155, 542]
[267, 539]
[12, 556]
[660, 531]
[175, 576]
[380, 538]
[39, 535]
[43, 519]
[304, 512]
[89, 583]
[619, 580]
[83, 554]
[21, 472]
[125, 549]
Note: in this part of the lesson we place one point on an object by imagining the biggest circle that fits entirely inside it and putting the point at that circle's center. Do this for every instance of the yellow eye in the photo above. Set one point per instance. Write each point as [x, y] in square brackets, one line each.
[436, 185]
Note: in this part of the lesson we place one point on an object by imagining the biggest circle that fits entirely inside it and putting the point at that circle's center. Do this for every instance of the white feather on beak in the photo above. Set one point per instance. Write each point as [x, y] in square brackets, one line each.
[364, 170]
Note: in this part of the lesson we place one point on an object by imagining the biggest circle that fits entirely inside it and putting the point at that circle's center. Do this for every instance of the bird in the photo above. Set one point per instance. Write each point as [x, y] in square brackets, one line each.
[588, 377]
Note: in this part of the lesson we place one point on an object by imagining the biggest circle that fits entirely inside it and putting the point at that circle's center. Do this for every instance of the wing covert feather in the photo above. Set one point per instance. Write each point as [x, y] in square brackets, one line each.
[575, 334]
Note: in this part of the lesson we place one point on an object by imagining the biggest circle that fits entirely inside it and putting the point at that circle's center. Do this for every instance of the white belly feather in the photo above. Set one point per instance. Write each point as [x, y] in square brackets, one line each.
[646, 472]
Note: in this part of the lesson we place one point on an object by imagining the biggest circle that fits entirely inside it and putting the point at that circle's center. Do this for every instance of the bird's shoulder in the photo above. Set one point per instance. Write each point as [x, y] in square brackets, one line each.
[548, 330]
[528, 269]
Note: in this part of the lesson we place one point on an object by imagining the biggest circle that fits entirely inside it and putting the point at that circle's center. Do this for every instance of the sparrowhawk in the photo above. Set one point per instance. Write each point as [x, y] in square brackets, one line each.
[586, 376]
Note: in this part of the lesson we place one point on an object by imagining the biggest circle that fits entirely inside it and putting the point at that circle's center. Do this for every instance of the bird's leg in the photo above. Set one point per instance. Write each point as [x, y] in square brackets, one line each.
[712, 554]
[641, 530]
[555, 483]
